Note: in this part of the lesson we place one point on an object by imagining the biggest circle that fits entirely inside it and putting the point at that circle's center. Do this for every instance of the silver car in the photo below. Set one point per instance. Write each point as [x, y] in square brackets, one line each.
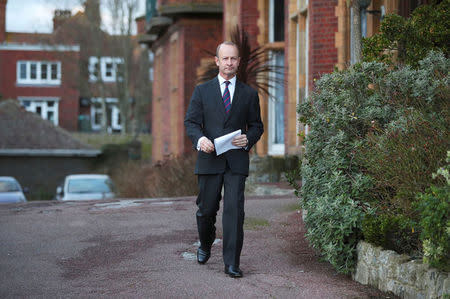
[10, 190]
[85, 187]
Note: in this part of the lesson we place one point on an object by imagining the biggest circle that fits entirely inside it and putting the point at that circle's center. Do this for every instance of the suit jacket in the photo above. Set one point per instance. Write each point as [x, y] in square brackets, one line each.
[206, 116]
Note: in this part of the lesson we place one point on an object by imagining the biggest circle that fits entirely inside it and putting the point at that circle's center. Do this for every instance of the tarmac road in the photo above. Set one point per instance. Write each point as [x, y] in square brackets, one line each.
[145, 248]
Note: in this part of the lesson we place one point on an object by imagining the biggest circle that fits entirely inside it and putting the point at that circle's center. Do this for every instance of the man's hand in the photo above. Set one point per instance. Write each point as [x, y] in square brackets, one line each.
[206, 145]
[240, 141]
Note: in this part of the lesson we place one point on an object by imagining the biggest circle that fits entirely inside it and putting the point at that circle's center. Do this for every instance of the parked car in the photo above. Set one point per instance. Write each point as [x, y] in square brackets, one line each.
[85, 187]
[10, 190]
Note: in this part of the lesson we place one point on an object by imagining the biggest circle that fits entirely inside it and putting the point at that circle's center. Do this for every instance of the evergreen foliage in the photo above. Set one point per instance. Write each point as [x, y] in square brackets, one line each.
[434, 208]
[354, 115]
[407, 41]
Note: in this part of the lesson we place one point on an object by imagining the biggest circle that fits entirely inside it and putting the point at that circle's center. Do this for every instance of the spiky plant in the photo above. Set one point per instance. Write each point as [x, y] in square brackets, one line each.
[254, 68]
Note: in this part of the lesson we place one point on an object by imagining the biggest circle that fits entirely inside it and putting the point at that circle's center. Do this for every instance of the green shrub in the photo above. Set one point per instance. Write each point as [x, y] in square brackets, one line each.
[364, 120]
[393, 232]
[339, 115]
[434, 208]
[408, 41]
[401, 161]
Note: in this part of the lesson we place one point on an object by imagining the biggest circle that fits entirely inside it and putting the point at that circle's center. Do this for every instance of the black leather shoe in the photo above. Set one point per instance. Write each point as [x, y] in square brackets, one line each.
[203, 255]
[233, 271]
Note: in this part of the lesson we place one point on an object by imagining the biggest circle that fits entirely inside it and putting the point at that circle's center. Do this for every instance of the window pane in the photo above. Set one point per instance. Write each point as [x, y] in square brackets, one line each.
[97, 117]
[109, 67]
[26, 103]
[23, 70]
[96, 68]
[51, 116]
[50, 103]
[33, 71]
[278, 22]
[9, 186]
[279, 98]
[89, 186]
[54, 71]
[44, 73]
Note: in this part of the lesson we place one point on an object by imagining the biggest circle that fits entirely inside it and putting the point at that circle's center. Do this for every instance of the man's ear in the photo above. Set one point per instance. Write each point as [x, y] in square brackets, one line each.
[217, 60]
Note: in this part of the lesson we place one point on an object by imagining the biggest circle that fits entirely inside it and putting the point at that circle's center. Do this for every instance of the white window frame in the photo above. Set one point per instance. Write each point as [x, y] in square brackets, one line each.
[42, 102]
[275, 149]
[115, 118]
[271, 20]
[114, 61]
[115, 113]
[39, 70]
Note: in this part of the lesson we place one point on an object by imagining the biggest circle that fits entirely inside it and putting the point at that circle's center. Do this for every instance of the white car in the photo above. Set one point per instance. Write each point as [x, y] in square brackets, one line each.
[10, 190]
[86, 187]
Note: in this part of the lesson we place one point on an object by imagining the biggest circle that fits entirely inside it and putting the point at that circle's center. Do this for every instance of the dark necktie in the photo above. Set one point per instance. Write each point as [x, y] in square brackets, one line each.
[227, 98]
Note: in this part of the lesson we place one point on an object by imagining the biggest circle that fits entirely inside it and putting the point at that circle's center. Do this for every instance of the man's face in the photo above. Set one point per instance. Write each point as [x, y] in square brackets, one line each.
[228, 61]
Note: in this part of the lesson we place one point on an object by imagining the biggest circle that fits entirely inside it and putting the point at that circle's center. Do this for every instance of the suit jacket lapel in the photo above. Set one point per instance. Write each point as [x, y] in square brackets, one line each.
[217, 97]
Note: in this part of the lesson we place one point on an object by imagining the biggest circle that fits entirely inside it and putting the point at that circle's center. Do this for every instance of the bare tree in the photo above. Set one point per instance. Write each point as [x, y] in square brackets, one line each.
[85, 30]
[123, 13]
[94, 45]
[129, 62]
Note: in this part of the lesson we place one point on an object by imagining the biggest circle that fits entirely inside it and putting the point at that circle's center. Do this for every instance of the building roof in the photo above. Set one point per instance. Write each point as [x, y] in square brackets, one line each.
[26, 38]
[23, 130]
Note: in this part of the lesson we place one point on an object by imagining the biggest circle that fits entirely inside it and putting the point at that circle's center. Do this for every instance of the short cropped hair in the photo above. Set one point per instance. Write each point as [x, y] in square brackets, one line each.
[229, 43]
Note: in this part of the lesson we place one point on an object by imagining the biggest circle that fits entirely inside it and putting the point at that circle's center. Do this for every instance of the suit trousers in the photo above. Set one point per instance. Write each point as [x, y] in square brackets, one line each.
[208, 202]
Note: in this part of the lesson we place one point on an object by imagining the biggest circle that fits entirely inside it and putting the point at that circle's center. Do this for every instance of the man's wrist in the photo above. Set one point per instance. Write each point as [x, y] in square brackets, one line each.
[199, 141]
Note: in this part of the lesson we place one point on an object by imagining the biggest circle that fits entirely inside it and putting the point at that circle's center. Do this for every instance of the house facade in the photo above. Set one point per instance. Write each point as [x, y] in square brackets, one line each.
[70, 76]
[305, 38]
[42, 77]
[178, 33]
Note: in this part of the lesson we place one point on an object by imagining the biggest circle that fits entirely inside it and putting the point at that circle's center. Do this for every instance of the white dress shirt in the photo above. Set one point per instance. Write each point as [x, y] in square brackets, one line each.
[222, 85]
[231, 86]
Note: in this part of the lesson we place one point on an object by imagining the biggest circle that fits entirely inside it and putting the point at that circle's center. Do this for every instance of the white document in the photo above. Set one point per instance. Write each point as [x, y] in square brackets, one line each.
[223, 143]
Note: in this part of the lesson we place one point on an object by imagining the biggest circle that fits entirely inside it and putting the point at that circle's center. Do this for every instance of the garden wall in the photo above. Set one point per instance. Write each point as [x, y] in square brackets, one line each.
[391, 272]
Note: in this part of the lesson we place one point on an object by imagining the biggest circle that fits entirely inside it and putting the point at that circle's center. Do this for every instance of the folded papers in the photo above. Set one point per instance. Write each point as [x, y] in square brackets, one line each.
[223, 143]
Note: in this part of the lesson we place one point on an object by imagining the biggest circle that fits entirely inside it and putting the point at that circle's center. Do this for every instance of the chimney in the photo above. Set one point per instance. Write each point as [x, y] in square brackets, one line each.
[60, 17]
[92, 11]
[3, 20]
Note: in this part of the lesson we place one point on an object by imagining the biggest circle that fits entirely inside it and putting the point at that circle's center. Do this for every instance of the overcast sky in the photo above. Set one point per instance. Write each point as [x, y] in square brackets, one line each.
[37, 15]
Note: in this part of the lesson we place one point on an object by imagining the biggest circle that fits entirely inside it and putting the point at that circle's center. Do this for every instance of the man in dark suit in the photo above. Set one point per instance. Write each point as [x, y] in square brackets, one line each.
[218, 107]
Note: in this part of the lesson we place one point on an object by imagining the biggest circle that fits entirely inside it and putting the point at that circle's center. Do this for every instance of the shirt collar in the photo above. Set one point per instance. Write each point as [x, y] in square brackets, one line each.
[232, 80]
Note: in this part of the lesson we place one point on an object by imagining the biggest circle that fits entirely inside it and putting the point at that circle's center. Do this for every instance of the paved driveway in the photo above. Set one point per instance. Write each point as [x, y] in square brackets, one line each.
[145, 248]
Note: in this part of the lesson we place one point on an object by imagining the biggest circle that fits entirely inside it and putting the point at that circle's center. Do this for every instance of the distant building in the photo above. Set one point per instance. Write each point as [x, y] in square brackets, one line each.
[42, 77]
[57, 75]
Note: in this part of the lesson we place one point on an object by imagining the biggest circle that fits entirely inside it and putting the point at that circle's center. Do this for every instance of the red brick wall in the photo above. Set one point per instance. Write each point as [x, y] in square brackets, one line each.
[140, 23]
[249, 15]
[175, 80]
[198, 35]
[2, 20]
[322, 27]
[67, 92]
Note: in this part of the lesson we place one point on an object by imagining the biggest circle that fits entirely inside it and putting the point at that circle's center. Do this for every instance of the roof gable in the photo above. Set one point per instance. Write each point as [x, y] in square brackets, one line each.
[20, 129]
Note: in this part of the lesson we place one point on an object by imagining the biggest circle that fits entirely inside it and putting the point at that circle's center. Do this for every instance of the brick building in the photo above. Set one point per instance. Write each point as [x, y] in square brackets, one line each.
[305, 38]
[65, 76]
[177, 31]
[42, 77]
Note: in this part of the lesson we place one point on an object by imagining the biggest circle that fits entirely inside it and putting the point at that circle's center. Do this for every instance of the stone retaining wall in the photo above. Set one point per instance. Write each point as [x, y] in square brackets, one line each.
[391, 272]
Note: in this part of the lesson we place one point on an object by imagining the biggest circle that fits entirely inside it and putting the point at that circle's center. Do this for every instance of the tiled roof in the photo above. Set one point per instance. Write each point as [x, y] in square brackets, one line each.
[26, 38]
[20, 129]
